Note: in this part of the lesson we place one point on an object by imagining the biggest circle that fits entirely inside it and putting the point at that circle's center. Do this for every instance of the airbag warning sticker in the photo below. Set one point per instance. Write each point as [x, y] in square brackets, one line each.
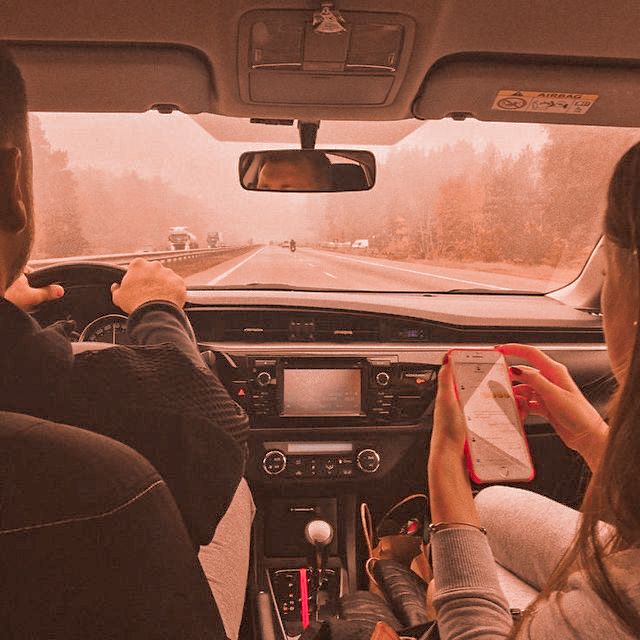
[544, 102]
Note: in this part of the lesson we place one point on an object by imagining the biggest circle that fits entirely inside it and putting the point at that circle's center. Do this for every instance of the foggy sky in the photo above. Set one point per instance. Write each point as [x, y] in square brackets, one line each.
[176, 149]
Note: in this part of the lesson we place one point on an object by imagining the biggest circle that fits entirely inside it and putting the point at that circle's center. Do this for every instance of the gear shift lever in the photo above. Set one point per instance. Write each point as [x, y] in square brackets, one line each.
[319, 533]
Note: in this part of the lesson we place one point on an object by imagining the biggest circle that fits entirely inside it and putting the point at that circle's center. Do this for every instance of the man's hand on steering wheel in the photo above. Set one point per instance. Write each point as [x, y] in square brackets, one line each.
[23, 295]
[146, 281]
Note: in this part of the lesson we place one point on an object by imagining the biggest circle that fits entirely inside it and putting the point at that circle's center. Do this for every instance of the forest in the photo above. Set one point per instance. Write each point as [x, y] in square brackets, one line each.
[461, 204]
[85, 211]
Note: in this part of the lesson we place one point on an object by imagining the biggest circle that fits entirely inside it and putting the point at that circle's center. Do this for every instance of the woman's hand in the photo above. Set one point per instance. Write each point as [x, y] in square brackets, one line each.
[548, 390]
[449, 432]
[450, 494]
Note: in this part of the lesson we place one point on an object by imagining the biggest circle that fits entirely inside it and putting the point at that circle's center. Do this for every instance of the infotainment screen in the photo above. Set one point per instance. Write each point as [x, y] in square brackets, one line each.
[322, 392]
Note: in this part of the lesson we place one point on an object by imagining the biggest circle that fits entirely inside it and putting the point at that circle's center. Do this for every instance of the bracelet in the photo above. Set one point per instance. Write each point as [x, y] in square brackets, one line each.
[434, 527]
[438, 526]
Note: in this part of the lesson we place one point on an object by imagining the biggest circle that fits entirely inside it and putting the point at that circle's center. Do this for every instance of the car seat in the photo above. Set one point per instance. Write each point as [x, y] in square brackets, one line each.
[92, 544]
[346, 176]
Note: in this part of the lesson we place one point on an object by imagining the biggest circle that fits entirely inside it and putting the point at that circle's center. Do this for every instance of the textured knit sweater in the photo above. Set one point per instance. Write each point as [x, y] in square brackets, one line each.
[470, 603]
[158, 398]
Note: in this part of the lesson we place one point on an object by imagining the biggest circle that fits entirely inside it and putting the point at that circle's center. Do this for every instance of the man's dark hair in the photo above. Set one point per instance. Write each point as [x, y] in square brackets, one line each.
[13, 102]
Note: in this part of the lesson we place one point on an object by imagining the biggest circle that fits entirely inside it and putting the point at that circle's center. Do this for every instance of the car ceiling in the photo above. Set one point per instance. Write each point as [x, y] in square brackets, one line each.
[453, 59]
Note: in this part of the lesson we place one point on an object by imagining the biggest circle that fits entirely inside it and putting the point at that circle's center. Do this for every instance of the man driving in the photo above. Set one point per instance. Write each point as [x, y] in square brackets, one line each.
[158, 397]
[293, 170]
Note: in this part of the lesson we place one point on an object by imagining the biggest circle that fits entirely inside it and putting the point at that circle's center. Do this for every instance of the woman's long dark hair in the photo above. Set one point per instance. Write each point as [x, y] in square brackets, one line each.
[613, 495]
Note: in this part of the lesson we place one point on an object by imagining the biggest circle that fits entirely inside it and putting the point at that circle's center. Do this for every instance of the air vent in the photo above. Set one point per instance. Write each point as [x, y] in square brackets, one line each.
[253, 326]
[347, 328]
[279, 326]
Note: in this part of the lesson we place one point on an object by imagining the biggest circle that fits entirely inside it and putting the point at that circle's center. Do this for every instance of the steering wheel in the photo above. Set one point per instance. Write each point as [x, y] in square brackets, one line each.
[74, 274]
[70, 274]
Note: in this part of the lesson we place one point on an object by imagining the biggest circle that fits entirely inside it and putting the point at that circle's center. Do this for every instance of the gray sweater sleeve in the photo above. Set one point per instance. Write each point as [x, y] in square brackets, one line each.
[471, 605]
[468, 598]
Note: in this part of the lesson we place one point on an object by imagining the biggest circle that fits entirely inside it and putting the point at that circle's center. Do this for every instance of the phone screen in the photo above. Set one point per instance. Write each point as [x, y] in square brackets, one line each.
[497, 447]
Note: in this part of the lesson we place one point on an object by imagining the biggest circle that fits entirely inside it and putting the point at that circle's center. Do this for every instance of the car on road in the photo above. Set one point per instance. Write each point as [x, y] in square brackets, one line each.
[495, 127]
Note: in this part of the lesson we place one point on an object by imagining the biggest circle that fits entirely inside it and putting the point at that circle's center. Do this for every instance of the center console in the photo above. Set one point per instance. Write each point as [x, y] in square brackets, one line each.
[329, 415]
[321, 428]
[294, 392]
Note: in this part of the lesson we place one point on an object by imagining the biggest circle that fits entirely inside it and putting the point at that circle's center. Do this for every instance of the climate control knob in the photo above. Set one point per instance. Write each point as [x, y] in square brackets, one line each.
[368, 460]
[382, 379]
[263, 378]
[274, 462]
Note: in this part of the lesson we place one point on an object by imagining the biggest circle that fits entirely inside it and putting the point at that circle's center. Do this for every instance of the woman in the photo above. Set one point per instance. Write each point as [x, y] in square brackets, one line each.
[594, 591]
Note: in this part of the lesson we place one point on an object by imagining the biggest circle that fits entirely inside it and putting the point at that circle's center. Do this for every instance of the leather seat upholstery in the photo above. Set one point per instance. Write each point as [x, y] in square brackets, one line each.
[92, 544]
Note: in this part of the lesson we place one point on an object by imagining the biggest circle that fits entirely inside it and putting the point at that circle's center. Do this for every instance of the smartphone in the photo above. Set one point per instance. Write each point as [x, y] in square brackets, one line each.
[496, 448]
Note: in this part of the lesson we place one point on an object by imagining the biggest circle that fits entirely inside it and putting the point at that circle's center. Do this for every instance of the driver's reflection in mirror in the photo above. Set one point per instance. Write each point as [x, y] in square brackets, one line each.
[295, 172]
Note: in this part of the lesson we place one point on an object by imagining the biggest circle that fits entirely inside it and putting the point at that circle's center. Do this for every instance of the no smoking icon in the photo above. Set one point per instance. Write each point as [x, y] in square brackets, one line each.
[511, 104]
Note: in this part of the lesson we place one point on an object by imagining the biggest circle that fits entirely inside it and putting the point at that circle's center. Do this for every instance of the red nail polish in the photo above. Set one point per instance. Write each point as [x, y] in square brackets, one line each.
[445, 359]
[516, 371]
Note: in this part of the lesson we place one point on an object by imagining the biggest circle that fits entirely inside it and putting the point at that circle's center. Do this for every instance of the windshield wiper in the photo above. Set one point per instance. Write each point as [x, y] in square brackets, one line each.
[265, 286]
[278, 286]
[511, 292]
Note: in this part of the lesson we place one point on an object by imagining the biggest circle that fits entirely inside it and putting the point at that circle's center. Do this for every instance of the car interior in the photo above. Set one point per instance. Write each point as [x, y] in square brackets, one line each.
[338, 376]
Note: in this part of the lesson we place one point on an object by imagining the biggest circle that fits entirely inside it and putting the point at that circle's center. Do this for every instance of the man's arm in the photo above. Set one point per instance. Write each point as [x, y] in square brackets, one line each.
[158, 322]
[166, 402]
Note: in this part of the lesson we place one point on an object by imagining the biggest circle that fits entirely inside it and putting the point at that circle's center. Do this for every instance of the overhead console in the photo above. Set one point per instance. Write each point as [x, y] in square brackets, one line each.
[322, 57]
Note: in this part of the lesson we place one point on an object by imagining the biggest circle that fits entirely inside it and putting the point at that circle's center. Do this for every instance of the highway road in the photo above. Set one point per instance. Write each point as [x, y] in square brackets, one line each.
[330, 270]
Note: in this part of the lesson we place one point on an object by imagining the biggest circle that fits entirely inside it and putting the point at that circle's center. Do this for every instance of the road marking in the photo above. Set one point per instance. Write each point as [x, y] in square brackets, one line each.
[420, 273]
[311, 264]
[222, 276]
[326, 273]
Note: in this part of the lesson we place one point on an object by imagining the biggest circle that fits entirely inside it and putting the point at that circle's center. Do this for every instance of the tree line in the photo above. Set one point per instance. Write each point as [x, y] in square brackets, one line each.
[85, 211]
[461, 204]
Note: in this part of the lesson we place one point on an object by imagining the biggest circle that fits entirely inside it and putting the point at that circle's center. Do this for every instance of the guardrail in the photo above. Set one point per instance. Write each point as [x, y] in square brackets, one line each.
[166, 257]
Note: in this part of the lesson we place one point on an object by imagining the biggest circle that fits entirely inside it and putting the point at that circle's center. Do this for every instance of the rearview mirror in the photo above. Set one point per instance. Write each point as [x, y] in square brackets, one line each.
[306, 170]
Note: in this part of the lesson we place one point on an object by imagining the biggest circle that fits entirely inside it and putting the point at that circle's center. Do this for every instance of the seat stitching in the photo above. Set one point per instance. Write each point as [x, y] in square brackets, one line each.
[84, 518]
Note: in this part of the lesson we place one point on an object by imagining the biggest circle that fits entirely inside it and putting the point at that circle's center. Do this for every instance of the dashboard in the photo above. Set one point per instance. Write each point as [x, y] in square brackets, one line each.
[339, 387]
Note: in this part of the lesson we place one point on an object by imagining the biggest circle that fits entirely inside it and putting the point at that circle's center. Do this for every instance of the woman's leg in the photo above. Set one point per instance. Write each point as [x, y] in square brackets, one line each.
[528, 533]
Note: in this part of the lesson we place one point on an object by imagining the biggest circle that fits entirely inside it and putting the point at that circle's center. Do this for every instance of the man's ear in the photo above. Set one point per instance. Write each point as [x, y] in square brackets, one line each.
[13, 212]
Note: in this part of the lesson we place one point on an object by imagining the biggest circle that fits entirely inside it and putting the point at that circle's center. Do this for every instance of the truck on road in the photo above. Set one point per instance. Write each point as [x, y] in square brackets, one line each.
[214, 239]
[180, 238]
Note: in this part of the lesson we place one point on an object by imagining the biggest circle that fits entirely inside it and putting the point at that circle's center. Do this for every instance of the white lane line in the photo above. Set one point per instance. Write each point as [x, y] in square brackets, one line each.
[222, 276]
[326, 273]
[420, 273]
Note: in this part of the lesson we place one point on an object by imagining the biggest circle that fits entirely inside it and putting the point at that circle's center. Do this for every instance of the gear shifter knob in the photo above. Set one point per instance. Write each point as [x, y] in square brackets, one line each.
[319, 533]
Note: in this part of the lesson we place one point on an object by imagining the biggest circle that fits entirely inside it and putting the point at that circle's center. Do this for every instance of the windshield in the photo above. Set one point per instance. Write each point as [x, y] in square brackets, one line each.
[456, 205]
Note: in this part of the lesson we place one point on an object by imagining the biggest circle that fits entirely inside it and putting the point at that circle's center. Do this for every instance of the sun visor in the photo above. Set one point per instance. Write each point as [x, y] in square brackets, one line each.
[114, 78]
[541, 90]
[322, 58]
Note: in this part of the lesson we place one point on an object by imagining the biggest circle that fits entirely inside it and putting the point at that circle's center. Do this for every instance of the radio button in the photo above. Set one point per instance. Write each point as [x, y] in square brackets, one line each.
[274, 462]
[368, 460]
[382, 379]
[263, 378]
